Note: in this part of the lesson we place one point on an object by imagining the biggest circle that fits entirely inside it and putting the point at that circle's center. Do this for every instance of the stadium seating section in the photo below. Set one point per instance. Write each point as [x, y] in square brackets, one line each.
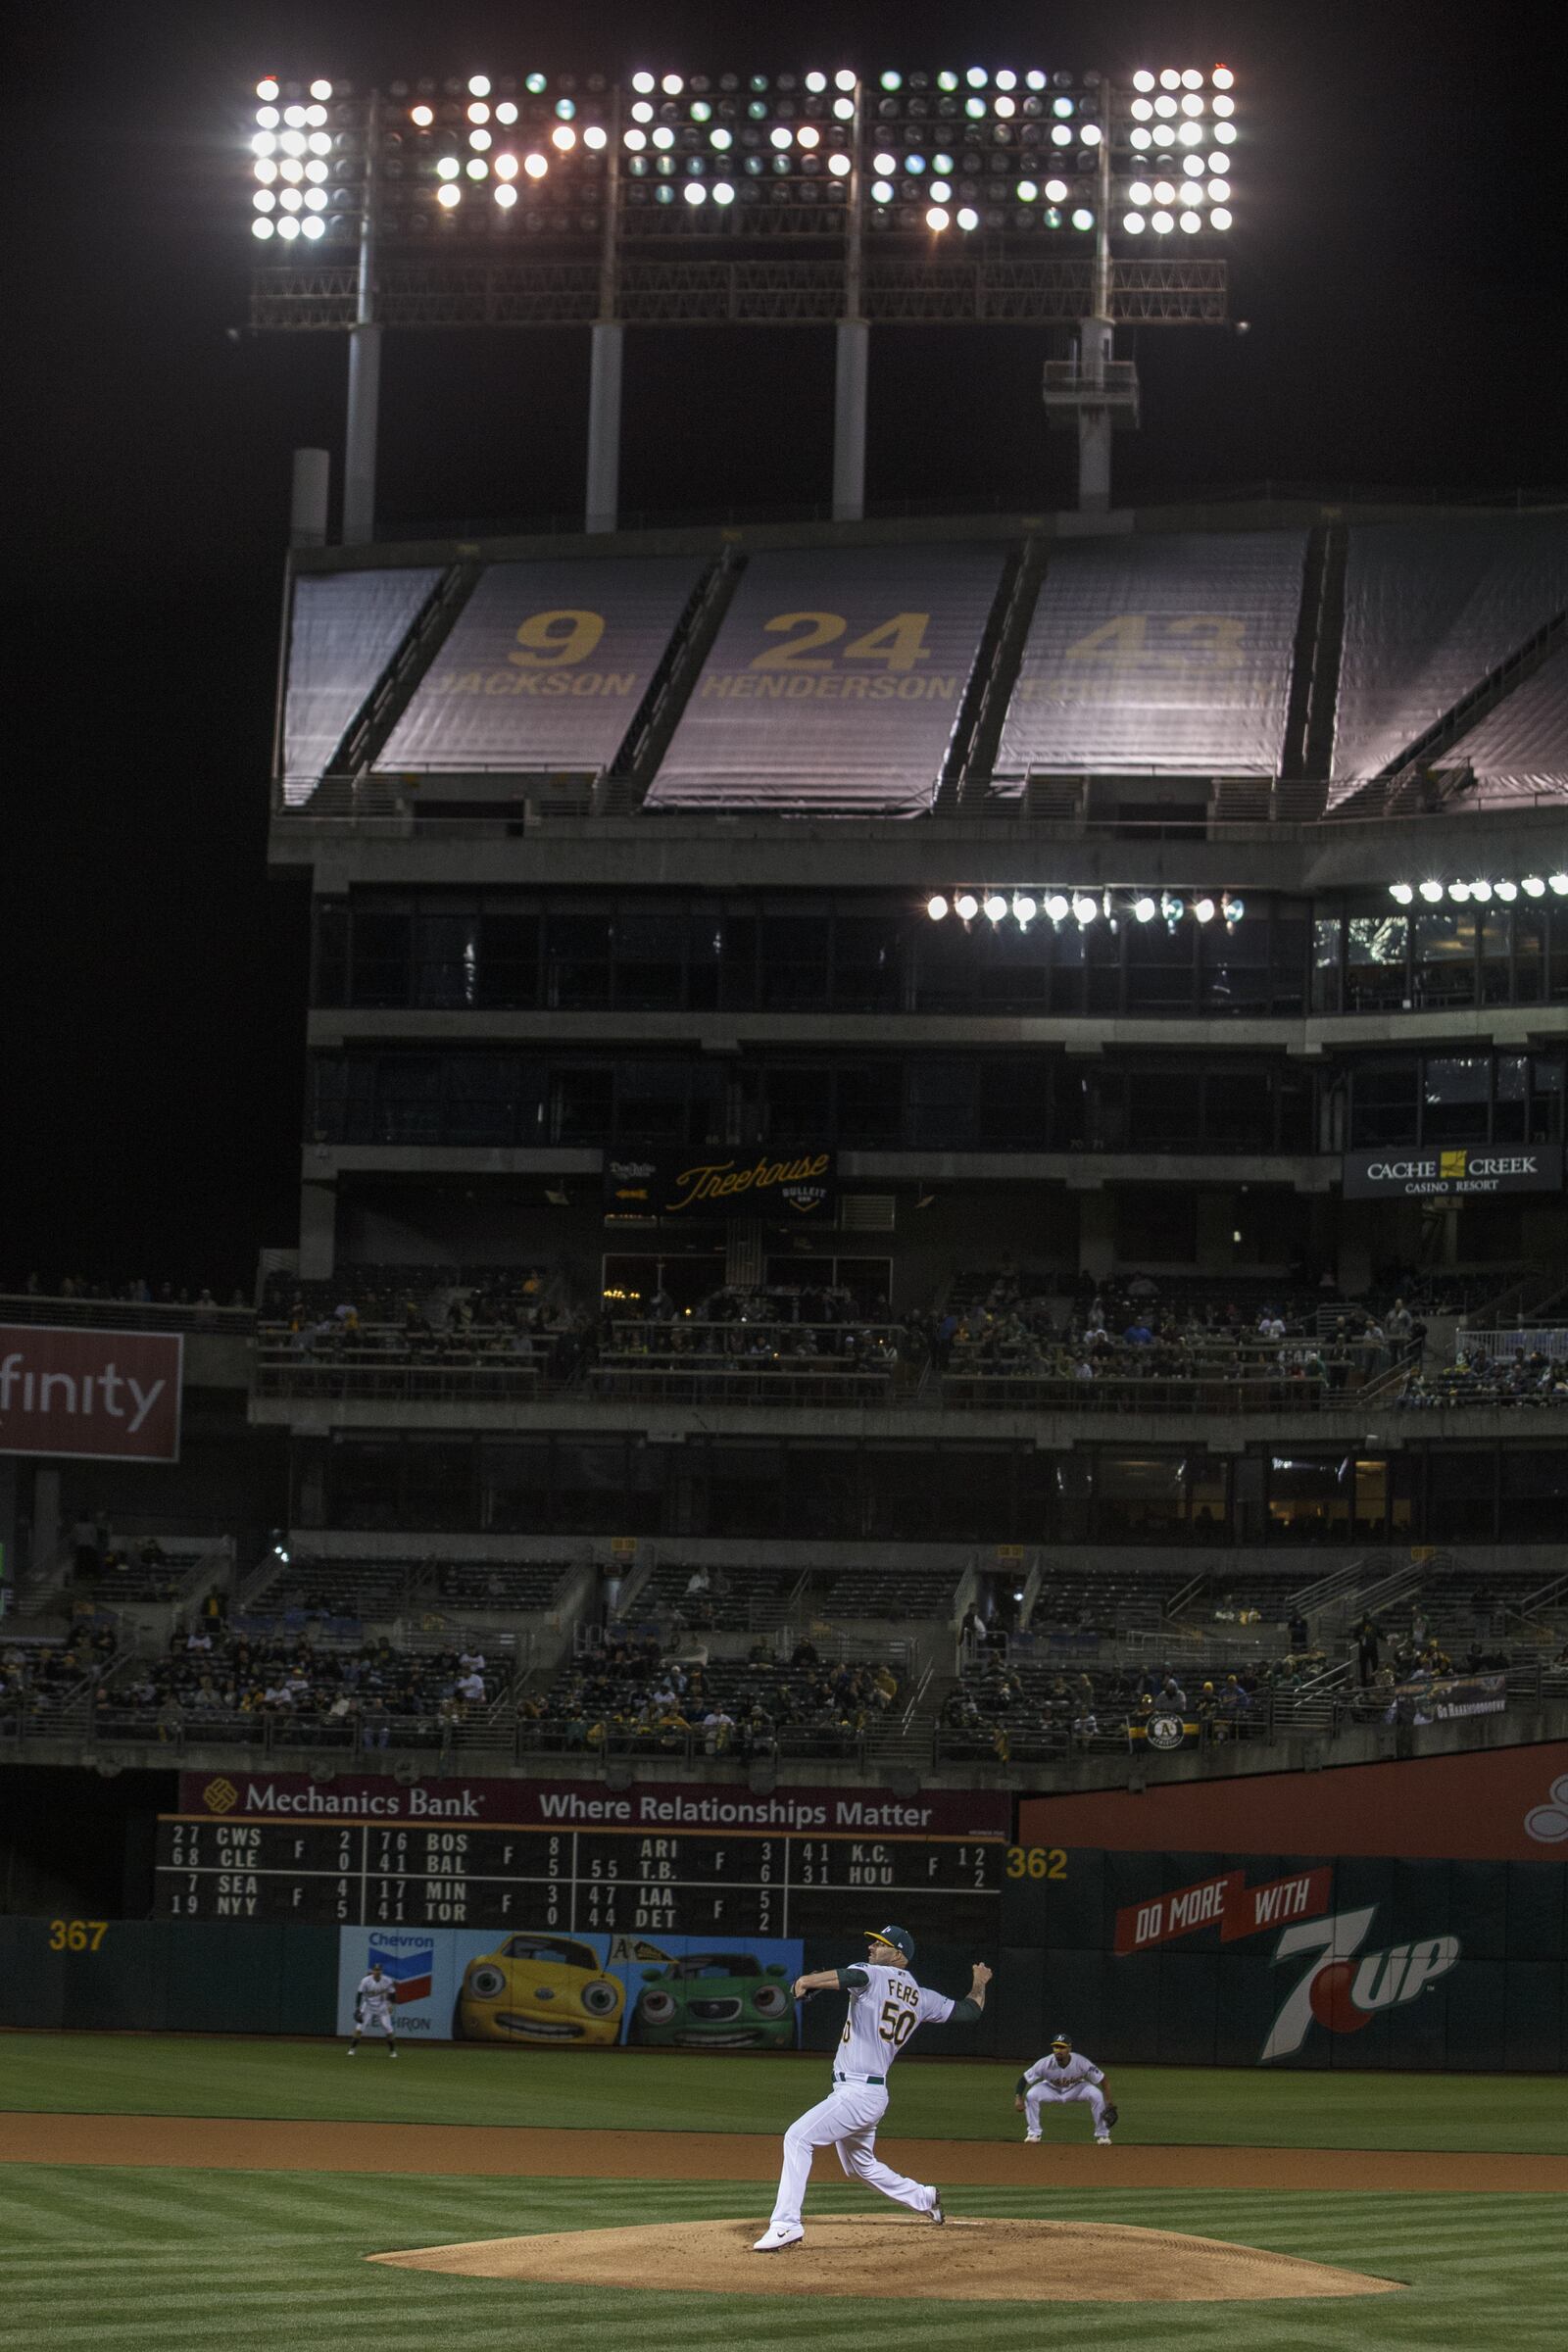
[631, 1694]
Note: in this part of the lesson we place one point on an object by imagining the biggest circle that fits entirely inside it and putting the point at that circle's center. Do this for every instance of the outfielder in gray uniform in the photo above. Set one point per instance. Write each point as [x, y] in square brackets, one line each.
[1065, 2074]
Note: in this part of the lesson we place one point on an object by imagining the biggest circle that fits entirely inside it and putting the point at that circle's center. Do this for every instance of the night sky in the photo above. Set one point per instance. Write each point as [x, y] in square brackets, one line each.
[1399, 260]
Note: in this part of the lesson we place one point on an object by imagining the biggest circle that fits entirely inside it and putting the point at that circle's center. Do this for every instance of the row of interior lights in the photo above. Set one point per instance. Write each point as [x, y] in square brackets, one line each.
[1084, 906]
[1461, 894]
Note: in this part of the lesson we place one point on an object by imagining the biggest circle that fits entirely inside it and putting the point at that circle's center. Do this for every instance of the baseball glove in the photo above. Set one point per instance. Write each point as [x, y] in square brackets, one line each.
[1111, 2116]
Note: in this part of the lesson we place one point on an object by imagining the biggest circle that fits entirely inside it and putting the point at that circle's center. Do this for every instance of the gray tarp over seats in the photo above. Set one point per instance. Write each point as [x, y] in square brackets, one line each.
[1163, 655]
[545, 668]
[835, 683]
[1520, 750]
[1429, 608]
[344, 629]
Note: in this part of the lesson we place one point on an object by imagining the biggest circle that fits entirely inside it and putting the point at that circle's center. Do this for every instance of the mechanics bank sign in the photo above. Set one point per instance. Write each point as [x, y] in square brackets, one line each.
[1470, 1169]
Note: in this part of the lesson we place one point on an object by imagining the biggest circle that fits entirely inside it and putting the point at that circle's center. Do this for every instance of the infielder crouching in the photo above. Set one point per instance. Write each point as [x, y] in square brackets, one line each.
[886, 2005]
[372, 2006]
[1064, 2075]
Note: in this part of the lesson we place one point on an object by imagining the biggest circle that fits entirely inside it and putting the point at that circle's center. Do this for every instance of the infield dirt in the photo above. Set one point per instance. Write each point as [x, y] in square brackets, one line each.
[238, 2144]
[968, 2261]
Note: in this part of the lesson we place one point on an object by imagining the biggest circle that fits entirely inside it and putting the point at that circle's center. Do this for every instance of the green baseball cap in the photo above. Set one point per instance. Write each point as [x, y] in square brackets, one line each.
[899, 1939]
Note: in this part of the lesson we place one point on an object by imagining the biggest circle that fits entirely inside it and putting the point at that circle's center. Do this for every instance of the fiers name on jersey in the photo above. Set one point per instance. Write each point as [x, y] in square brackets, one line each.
[883, 2013]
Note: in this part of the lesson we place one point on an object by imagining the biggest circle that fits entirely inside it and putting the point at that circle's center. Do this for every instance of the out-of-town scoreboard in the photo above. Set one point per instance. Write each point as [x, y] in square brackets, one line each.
[578, 1858]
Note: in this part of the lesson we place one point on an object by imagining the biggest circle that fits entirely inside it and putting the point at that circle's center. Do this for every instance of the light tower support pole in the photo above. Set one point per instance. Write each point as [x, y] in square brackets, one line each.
[852, 358]
[1096, 338]
[365, 360]
[307, 514]
[605, 355]
[1092, 392]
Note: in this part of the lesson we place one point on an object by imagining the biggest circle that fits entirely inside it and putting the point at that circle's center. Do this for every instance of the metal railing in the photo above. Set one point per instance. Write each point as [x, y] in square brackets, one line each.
[1547, 1340]
[1192, 1393]
[125, 1314]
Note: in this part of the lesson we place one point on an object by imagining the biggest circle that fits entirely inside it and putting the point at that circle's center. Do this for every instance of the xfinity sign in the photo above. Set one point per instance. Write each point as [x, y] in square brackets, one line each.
[1411, 1173]
[97, 1395]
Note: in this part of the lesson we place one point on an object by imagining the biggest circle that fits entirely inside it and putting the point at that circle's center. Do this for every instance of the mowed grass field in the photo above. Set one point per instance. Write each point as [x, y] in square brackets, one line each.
[651, 2090]
[103, 2259]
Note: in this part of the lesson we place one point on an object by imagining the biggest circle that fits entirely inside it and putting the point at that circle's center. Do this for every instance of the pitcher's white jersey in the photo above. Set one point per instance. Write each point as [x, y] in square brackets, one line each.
[1061, 2077]
[377, 1993]
[883, 2014]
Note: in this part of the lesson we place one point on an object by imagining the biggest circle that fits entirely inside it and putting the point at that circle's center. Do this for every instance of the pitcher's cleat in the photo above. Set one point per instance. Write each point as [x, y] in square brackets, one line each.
[1031, 2140]
[1101, 2139]
[934, 2212]
[775, 2239]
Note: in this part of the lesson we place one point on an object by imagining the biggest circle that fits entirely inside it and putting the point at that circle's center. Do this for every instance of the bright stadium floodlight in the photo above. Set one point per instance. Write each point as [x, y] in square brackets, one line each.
[1144, 909]
[936, 907]
[1481, 891]
[1024, 909]
[996, 907]
[1432, 891]
[1050, 173]
[1559, 884]
[1084, 909]
[966, 907]
[1057, 908]
[1400, 893]
[1532, 886]
[1204, 911]
[1460, 892]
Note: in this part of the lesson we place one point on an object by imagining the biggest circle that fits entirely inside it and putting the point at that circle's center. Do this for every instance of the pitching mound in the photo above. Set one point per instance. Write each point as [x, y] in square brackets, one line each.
[968, 2261]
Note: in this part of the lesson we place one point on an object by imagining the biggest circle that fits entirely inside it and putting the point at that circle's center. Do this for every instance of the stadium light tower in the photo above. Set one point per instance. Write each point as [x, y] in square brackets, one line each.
[981, 197]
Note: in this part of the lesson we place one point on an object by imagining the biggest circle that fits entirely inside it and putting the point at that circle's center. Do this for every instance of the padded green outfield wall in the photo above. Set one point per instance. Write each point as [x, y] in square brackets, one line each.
[167, 1975]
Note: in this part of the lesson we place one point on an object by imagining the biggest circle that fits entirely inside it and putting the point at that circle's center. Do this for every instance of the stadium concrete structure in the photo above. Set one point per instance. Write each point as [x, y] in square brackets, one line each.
[864, 1081]
[627, 858]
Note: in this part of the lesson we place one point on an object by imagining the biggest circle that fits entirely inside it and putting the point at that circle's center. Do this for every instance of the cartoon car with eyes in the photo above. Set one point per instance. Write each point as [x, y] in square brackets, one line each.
[539, 1989]
[714, 2001]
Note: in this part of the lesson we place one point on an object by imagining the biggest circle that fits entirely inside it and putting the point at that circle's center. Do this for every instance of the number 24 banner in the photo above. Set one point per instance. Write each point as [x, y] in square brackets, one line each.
[835, 682]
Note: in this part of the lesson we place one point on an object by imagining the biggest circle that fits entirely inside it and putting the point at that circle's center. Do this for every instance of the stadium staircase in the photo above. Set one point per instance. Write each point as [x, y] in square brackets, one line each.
[1309, 749]
[369, 730]
[622, 787]
[966, 777]
[1371, 1586]
[1445, 733]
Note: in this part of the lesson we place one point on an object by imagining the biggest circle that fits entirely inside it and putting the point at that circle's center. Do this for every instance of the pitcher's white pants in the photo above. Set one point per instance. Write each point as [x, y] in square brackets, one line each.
[1037, 2092]
[846, 2119]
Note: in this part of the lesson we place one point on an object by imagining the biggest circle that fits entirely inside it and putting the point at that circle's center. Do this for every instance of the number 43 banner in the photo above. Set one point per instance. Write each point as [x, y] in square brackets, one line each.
[835, 682]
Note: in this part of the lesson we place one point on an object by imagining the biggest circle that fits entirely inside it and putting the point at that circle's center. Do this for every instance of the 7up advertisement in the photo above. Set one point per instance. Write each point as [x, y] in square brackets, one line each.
[1410, 1915]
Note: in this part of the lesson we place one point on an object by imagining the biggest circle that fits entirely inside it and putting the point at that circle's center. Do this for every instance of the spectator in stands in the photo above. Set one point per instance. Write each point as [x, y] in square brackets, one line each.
[718, 1727]
[1368, 1648]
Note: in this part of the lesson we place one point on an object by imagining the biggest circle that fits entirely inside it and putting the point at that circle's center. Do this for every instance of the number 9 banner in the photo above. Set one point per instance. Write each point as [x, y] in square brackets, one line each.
[545, 668]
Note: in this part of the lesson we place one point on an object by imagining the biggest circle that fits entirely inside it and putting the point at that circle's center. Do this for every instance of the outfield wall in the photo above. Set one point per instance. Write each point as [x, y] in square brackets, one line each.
[1171, 1959]
[1234, 1923]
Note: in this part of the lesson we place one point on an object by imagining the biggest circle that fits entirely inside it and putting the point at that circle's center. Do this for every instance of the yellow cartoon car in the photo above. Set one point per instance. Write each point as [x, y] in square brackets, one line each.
[541, 1988]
